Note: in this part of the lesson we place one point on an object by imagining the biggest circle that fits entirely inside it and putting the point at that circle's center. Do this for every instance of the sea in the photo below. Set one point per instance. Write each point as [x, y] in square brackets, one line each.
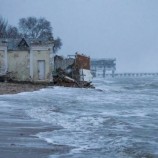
[117, 119]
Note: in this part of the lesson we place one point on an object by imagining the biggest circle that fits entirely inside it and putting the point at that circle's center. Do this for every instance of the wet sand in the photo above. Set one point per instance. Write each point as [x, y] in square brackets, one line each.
[17, 130]
[13, 88]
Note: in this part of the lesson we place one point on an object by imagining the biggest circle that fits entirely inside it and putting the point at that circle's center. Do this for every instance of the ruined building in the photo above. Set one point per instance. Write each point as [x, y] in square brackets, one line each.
[26, 60]
[73, 70]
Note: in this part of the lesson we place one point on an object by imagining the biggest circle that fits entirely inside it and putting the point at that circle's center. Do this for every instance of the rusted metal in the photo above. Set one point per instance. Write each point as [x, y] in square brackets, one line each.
[68, 71]
[82, 61]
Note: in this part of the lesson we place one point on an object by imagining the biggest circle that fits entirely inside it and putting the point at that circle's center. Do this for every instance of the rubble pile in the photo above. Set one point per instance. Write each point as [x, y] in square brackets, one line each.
[73, 71]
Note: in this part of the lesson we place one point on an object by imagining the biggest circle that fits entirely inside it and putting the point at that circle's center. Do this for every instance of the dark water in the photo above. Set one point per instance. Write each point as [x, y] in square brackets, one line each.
[118, 119]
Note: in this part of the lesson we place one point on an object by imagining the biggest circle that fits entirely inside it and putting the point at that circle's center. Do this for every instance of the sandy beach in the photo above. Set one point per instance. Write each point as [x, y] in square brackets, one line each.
[17, 130]
[13, 88]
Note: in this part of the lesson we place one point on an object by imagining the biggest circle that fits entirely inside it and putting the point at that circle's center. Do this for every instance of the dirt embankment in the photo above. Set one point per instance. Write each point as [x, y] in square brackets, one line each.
[13, 88]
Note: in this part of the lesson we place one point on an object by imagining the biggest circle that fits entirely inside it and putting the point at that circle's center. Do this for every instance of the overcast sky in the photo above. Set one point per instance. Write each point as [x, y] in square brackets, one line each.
[123, 29]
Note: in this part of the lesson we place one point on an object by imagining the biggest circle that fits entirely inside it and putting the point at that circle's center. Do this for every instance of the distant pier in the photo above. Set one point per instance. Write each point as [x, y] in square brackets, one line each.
[119, 75]
[132, 75]
[105, 65]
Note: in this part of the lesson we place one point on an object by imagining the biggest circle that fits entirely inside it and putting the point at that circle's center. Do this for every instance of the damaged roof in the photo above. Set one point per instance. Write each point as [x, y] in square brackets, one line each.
[23, 44]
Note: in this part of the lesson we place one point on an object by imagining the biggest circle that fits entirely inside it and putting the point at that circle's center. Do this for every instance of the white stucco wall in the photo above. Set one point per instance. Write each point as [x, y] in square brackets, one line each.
[24, 64]
[3, 60]
[44, 54]
[18, 63]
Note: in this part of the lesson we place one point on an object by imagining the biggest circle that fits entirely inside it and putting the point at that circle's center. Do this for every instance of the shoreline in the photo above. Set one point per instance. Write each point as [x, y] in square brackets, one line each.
[18, 130]
[14, 88]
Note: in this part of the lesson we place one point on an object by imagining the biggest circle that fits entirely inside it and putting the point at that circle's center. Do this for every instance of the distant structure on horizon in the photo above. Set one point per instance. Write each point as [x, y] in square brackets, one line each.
[104, 65]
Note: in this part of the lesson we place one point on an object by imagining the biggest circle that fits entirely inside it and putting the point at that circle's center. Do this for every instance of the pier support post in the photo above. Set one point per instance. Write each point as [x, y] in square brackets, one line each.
[104, 71]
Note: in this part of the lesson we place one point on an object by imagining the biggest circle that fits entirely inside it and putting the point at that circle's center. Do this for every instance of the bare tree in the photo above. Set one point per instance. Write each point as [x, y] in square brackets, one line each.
[12, 32]
[32, 27]
[7, 31]
[3, 27]
[57, 44]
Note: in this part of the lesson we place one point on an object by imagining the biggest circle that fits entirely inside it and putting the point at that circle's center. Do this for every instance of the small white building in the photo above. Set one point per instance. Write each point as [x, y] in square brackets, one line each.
[27, 60]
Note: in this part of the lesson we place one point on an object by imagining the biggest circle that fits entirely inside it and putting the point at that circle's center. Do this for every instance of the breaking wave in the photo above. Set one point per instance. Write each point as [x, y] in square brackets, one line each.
[118, 119]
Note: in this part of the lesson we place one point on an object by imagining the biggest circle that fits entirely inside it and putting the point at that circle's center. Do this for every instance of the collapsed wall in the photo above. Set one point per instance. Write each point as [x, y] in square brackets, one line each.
[73, 69]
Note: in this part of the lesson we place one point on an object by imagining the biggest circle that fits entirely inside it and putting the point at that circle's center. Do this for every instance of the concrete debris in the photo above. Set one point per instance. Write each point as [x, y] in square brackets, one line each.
[73, 71]
[7, 77]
